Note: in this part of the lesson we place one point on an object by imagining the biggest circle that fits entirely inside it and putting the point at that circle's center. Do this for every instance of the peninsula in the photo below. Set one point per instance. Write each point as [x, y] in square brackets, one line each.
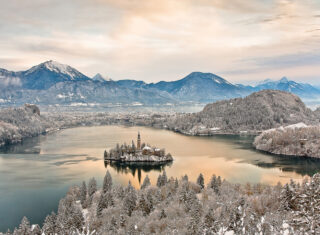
[140, 153]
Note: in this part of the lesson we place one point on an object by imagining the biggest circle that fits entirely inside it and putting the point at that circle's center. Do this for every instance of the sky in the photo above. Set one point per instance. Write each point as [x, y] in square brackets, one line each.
[152, 40]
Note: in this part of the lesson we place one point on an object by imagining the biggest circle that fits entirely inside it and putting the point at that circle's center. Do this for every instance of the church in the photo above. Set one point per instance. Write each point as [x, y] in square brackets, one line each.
[139, 153]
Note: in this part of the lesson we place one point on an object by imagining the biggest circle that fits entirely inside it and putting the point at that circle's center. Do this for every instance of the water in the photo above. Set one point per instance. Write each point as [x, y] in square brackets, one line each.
[36, 174]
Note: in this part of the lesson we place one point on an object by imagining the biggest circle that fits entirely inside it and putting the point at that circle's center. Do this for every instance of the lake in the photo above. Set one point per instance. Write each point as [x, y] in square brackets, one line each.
[36, 174]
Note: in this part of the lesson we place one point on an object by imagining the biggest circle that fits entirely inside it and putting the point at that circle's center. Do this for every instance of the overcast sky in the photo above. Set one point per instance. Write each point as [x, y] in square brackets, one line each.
[152, 40]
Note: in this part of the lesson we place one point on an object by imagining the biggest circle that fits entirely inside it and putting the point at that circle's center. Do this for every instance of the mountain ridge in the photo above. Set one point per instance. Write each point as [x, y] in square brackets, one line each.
[54, 83]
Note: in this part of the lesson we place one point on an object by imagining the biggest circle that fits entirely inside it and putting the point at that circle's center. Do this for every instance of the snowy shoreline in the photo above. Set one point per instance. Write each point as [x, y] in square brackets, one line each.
[298, 140]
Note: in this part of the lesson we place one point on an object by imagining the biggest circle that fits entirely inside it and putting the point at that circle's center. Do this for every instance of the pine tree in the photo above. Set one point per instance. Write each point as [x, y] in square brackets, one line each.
[159, 181]
[150, 201]
[49, 226]
[164, 179]
[185, 178]
[200, 181]
[143, 205]
[176, 183]
[209, 221]
[129, 203]
[287, 196]
[133, 146]
[219, 182]
[107, 182]
[215, 184]
[146, 182]
[36, 230]
[69, 217]
[83, 194]
[101, 205]
[24, 227]
[92, 188]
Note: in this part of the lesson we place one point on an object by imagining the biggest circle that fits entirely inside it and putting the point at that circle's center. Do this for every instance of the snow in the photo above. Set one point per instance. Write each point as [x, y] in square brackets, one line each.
[3, 101]
[298, 125]
[136, 104]
[231, 232]
[78, 104]
[293, 126]
[57, 68]
[61, 96]
[33, 227]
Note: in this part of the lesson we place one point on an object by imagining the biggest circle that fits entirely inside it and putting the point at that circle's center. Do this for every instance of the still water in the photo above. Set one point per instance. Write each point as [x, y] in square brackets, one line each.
[36, 174]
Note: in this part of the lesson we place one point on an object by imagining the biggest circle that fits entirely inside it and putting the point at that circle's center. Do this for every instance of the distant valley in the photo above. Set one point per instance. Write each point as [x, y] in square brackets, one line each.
[52, 83]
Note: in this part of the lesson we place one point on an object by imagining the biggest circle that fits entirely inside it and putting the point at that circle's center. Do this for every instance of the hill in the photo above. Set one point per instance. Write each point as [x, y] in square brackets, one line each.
[294, 140]
[22, 122]
[257, 112]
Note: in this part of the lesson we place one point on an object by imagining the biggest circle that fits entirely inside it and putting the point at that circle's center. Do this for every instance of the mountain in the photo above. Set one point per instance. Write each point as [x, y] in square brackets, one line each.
[196, 87]
[46, 74]
[259, 111]
[303, 90]
[54, 83]
[201, 87]
[132, 84]
[98, 77]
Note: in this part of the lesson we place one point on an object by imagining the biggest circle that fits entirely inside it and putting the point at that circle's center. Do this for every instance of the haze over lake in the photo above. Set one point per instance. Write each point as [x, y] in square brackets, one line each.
[36, 174]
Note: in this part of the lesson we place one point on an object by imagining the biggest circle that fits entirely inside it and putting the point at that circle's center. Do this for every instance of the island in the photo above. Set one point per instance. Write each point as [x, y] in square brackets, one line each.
[140, 153]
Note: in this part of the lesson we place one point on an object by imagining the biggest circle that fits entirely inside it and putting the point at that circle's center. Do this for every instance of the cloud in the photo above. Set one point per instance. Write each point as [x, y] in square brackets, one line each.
[160, 39]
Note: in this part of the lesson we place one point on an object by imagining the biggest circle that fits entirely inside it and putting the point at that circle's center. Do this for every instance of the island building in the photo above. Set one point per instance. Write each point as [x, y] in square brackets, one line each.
[140, 153]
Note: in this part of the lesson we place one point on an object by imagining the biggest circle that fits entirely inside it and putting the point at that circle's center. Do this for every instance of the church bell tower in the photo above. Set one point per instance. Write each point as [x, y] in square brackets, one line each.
[139, 141]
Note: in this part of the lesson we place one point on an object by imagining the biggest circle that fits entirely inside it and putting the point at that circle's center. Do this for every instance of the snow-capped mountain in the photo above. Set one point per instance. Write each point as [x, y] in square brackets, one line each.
[46, 74]
[202, 87]
[98, 77]
[54, 83]
[284, 84]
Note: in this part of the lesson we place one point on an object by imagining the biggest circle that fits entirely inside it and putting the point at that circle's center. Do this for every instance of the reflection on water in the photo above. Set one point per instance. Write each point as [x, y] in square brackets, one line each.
[34, 175]
[300, 165]
[137, 167]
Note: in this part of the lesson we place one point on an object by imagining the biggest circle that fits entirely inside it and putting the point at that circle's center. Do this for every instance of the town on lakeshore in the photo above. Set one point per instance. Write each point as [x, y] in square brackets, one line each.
[137, 153]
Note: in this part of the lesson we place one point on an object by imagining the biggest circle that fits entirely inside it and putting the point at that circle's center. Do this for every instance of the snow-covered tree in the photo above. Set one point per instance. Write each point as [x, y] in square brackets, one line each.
[200, 181]
[50, 224]
[130, 199]
[83, 194]
[107, 182]
[146, 182]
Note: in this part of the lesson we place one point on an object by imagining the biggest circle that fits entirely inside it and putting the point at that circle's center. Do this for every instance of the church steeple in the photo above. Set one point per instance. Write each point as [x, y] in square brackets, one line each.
[139, 141]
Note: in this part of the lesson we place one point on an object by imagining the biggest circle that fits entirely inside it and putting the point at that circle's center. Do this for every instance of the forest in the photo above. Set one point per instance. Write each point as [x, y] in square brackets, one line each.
[179, 206]
[303, 141]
